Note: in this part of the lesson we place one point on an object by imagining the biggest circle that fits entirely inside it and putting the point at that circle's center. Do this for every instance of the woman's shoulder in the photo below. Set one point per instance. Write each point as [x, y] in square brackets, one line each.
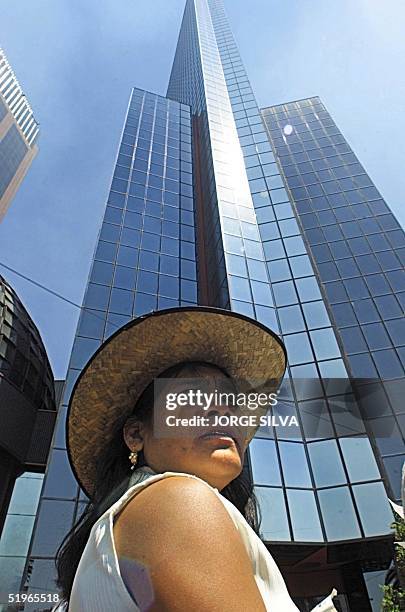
[167, 485]
[179, 481]
[179, 527]
[177, 514]
[166, 493]
[163, 483]
[171, 503]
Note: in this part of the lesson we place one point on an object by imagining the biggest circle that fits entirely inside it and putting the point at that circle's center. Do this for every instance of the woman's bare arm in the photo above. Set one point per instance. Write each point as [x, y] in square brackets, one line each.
[180, 533]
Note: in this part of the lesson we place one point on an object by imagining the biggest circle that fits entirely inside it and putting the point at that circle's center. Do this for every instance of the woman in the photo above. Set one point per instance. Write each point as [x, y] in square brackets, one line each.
[176, 533]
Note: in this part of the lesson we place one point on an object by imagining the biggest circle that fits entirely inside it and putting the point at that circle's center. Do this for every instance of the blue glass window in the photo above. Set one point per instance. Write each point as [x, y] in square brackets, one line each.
[304, 516]
[339, 249]
[102, 272]
[149, 261]
[261, 293]
[328, 271]
[285, 293]
[121, 301]
[324, 343]
[308, 289]
[397, 280]
[359, 459]
[388, 307]
[113, 215]
[272, 250]
[83, 349]
[114, 322]
[257, 271]
[291, 319]
[326, 463]
[147, 282]
[301, 266]
[264, 461]
[377, 284]
[188, 291]
[315, 418]
[59, 481]
[396, 330]
[239, 288]
[144, 303]
[362, 366]
[279, 270]
[375, 513]
[274, 526]
[316, 315]
[298, 348]
[368, 264]
[353, 340]
[365, 311]
[393, 466]
[127, 256]
[376, 336]
[169, 286]
[338, 514]
[356, 288]
[124, 278]
[388, 364]
[130, 237]
[294, 465]
[54, 521]
[294, 246]
[97, 297]
[91, 324]
[106, 251]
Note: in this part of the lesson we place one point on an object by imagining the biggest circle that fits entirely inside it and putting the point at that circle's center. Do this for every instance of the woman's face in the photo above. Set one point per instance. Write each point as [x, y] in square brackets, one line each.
[213, 452]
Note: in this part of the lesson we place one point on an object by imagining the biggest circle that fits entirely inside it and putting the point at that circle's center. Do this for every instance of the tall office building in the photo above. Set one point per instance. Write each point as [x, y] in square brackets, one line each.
[201, 210]
[18, 134]
[145, 260]
[358, 251]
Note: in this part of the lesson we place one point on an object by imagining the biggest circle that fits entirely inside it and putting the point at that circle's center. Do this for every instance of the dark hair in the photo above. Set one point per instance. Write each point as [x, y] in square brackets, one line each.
[112, 480]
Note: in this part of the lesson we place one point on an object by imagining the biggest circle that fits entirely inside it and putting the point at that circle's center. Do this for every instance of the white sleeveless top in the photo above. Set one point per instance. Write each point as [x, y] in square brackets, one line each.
[98, 585]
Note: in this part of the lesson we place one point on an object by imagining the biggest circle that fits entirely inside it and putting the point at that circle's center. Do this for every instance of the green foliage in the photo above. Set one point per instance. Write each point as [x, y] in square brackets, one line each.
[399, 527]
[393, 600]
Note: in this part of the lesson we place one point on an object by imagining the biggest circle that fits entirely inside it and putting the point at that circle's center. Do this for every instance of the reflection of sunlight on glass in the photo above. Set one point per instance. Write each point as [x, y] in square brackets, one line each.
[288, 130]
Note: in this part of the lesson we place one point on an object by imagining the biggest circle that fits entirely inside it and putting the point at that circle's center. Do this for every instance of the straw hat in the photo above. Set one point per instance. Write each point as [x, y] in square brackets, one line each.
[108, 387]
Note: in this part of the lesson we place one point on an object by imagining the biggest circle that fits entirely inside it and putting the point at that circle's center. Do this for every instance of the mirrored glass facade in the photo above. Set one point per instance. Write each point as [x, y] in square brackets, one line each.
[201, 210]
[358, 250]
[18, 134]
[144, 260]
[16, 535]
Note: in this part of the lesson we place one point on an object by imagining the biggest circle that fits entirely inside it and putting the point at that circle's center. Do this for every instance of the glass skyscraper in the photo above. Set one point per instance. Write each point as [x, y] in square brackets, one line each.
[358, 249]
[210, 204]
[18, 134]
[145, 259]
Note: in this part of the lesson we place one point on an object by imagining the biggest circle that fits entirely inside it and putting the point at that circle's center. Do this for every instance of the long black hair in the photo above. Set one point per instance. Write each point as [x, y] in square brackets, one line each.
[112, 480]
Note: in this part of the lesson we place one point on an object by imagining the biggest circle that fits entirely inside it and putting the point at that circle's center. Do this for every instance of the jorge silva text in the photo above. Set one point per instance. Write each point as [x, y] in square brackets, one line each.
[251, 420]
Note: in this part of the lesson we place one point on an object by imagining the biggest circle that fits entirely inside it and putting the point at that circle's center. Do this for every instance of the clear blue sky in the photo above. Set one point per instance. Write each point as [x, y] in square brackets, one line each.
[77, 62]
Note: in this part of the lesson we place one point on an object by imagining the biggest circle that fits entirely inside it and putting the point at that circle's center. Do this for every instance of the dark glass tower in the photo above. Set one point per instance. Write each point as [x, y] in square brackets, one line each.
[144, 260]
[358, 250]
[198, 179]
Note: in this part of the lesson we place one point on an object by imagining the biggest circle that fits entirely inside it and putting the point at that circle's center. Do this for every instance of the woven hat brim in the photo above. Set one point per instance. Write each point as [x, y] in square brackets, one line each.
[110, 384]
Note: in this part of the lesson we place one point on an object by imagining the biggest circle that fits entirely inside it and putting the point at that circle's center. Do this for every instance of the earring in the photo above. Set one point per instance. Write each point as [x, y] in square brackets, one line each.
[133, 457]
